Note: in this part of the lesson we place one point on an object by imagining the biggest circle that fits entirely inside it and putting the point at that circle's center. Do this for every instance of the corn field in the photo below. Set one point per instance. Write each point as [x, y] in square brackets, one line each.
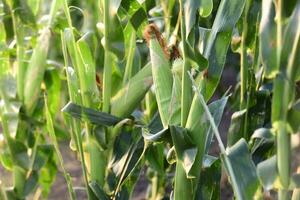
[137, 90]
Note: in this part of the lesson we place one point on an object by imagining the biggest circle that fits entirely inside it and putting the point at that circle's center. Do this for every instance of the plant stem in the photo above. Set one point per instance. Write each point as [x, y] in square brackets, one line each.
[19, 180]
[2, 192]
[186, 97]
[283, 194]
[107, 74]
[279, 113]
[244, 64]
[21, 65]
[97, 170]
[183, 188]
[58, 153]
[76, 134]
[166, 17]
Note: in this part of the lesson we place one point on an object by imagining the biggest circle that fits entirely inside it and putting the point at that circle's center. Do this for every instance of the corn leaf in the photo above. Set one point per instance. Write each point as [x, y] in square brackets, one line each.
[268, 38]
[268, 175]
[185, 150]
[218, 42]
[200, 130]
[23, 11]
[236, 129]
[217, 109]
[215, 51]
[125, 159]
[136, 14]
[90, 115]
[53, 86]
[19, 153]
[98, 191]
[290, 52]
[237, 161]
[129, 97]
[209, 184]
[267, 172]
[190, 10]
[155, 131]
[115, 31]
[9, 107]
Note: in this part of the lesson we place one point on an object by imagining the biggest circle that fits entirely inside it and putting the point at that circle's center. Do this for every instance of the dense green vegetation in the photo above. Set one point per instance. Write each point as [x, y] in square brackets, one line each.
[129, 83]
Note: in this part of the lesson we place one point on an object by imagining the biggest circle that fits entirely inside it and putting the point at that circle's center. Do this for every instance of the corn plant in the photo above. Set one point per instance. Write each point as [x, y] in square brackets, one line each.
[136, 88]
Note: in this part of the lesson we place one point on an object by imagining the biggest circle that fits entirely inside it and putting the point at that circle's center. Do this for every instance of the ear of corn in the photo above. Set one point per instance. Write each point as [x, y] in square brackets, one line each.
[35, 71]
[36, 67]
[162, 79]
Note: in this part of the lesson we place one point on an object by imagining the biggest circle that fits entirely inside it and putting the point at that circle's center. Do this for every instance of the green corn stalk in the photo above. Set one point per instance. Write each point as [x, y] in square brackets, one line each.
[51, 131]
[283, 93]
[18, 28]
[186, 97]
[74, 97]
[244, 64]
[2, 192]
[108, 60]
[97, 166]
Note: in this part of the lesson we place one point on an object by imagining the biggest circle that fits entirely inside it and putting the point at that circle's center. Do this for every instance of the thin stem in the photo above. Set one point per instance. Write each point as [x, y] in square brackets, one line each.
[2, 192]
[94, 153]
[244, 63]
[107, 74]
[283, 194]
[75, 126]
[281, 97]
[279, 11]
[166, 17]
[21, 65]
[53, 10]
[19, 180]
[186, 97]
[58, 153]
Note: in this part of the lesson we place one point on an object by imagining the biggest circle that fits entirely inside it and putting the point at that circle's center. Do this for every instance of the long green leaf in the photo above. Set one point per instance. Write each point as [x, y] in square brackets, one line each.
[218, 42]
[90, 115]
[241, 170]
[129, 97]
[268, 38]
